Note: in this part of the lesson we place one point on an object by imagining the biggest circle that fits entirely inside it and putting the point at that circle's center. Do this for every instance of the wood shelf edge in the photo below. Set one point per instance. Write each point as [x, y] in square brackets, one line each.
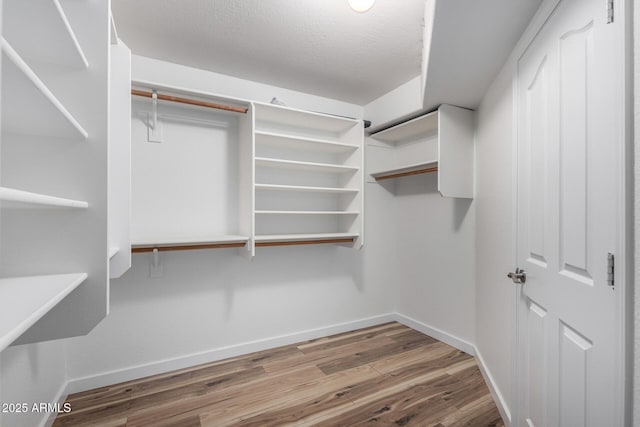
[189, 247]
[263, 244]
[401, 174]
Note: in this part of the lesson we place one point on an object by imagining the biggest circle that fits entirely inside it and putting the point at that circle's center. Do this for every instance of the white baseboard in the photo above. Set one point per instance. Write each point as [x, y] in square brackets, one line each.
[498, 398]
[60, 397]
[445, 337]
[113, 377]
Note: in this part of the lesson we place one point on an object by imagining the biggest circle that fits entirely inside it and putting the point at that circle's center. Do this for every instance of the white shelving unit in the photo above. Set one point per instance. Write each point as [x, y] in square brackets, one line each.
[32, 298]
[308, 177]
[439, 142]
[53, 169]
[203, 160]
[262, 175]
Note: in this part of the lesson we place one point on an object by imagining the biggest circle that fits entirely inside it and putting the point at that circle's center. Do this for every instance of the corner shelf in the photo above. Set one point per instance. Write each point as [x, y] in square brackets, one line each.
[177, 243]
[55, 43]
[19, 198]
[441, 142]
[28, 106]
[25, 300]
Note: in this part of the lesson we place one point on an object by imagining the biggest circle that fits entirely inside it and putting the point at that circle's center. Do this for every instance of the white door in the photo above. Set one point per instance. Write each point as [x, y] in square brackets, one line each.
[570, 137]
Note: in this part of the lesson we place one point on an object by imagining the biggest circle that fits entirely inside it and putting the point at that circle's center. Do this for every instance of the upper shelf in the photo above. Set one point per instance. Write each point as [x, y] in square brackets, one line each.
[410, 130]
[48, 37]
[307, 166]
[282, 140]
[25, 300]
[290, 117]
[18, 198]
[28, 106]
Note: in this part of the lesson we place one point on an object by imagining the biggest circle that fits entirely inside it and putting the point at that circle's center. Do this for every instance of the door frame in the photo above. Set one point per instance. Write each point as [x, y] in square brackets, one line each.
[625, 242]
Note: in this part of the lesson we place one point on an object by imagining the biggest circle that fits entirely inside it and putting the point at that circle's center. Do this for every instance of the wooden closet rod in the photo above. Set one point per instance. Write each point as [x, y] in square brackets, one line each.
[198, 103]
[400, 174]
[188, 247]
[238, 245]
[303, 242]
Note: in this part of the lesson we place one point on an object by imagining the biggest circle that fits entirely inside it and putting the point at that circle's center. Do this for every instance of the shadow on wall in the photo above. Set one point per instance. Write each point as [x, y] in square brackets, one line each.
[222, 270]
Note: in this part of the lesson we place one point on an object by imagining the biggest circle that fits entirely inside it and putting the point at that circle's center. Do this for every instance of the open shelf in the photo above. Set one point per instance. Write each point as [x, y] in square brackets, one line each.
[306, 166]
[282, 140]
[414, 169]
[307, 213]
[28, 106]
[304, 239]
[409, 131]
[294, 118]
[299, 188]
[18, 198]
[48, 37]
[177, 243]
[24, 300]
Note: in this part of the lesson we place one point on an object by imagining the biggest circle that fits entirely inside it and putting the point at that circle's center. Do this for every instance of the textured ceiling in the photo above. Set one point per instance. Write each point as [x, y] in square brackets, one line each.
[315, 46]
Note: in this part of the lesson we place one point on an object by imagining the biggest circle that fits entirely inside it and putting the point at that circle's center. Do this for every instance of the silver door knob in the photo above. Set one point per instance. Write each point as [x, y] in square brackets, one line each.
[519, 277]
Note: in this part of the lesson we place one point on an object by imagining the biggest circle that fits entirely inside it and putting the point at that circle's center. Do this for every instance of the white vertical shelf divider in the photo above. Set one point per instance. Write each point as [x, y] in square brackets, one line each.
[54, 277]
[246, 181]
[119, 159]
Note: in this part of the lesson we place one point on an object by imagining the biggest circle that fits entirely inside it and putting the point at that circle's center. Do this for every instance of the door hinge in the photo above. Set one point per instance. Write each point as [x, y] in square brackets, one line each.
[610, 15]
[610, 269]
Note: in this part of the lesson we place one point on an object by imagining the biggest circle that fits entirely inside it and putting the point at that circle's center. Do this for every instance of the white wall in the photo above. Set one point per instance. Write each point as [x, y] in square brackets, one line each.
[211, 304]
[495, 297]
[31, 374]
[435, 262]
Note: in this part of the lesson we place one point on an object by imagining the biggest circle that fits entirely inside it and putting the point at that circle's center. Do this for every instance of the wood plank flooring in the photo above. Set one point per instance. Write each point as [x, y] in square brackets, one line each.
[387, 375]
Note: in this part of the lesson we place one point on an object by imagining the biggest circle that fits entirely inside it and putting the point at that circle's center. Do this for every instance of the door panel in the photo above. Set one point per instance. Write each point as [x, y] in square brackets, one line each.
[566, 219]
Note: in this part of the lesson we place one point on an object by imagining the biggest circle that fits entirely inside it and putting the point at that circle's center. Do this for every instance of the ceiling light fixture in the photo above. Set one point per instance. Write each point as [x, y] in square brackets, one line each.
[361, 5]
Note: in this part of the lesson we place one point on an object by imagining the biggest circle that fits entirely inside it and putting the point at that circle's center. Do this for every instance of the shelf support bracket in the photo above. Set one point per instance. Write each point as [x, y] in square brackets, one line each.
[155, 269]
[154, 129]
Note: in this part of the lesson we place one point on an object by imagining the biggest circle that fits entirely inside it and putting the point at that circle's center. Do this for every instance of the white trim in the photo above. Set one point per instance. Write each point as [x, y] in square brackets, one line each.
[49, 418]
[439, 334]
[498, 398]
[140, 371]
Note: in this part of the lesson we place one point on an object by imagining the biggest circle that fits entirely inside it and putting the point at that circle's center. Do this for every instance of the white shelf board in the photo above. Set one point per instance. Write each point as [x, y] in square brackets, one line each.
[405, 168]
[301, 237]
[307, 213]
[50, 37]
[300, 119]
[308, 166]
[19, 198]
[113, 251]
[28, 106]
[298, 188]
[24, 300]
[282, 140]
[188, 241]
[409, 131]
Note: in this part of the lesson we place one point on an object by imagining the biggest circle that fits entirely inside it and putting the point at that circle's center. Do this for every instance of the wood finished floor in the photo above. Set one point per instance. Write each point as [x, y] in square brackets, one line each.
[387, 375]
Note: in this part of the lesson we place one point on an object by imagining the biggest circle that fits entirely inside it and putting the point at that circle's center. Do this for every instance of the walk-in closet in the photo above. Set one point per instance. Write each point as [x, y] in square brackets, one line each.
[336, 213]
